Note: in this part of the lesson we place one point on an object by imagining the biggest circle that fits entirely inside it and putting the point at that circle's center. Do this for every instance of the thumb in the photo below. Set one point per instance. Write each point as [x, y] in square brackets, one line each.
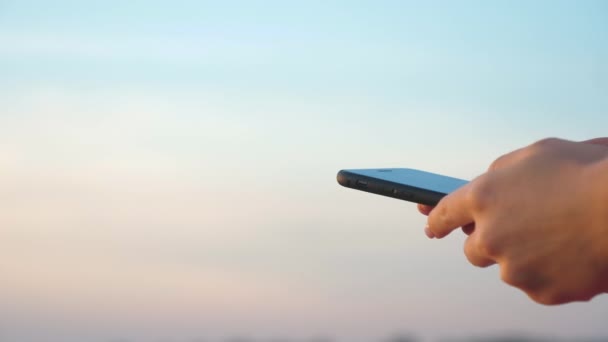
[597, 141]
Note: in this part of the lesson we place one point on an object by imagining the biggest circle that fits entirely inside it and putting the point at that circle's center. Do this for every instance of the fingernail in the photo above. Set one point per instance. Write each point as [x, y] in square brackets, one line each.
[428, 232]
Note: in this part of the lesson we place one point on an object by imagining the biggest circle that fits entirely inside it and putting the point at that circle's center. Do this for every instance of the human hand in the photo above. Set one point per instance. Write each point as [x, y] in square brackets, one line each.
[541, 213]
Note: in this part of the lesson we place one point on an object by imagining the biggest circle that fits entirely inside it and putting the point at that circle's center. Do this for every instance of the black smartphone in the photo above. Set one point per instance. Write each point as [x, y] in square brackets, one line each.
[405, 184]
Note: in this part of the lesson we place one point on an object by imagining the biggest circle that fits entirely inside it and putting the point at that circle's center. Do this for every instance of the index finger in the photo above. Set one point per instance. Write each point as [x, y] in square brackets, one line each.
[425, 209]
[452, 212]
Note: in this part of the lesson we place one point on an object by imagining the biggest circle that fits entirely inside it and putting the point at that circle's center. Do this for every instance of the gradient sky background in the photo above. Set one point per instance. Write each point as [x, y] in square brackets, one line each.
[167, 169]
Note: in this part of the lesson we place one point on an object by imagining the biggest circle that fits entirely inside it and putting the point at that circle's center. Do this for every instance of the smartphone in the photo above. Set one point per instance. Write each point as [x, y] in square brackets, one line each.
[404, 184]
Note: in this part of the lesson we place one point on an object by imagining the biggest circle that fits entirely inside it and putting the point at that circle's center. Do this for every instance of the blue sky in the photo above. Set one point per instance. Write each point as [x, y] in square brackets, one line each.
[173, 163]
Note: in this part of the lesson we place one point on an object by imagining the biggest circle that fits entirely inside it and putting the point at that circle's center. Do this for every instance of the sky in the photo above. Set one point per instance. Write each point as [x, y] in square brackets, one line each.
[167, 169]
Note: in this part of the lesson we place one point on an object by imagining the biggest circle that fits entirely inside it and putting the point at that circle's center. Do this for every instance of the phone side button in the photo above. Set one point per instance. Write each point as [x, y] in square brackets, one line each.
[406, 195]
[361, 184]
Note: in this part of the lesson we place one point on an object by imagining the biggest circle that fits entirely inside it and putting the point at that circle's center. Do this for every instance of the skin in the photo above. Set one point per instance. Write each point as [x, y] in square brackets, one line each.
[541, 214]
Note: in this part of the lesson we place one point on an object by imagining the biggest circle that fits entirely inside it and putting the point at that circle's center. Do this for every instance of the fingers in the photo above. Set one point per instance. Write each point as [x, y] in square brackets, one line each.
[452, 212]
[468, 229]
[597, 141]
[425, 209]
[475, 253]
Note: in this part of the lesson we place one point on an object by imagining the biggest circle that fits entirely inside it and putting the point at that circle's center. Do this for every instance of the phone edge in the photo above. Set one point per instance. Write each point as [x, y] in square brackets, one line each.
[388, 189]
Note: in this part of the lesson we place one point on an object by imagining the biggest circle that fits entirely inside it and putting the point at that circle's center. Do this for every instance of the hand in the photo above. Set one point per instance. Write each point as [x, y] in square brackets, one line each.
[541, 213]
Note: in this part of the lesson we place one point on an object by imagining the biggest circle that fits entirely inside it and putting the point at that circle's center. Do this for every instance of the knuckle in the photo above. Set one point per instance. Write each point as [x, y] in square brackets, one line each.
[511, 276]
[439, 217]
[471, 251]
[496, 163]
[488, 244]
[535, 149]
[544, 143]
[539, 298]
[480, 193]
[501, 161]
[441, 220]
[475, 260]
[442, 212]
[550, 297]
[523, 277]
